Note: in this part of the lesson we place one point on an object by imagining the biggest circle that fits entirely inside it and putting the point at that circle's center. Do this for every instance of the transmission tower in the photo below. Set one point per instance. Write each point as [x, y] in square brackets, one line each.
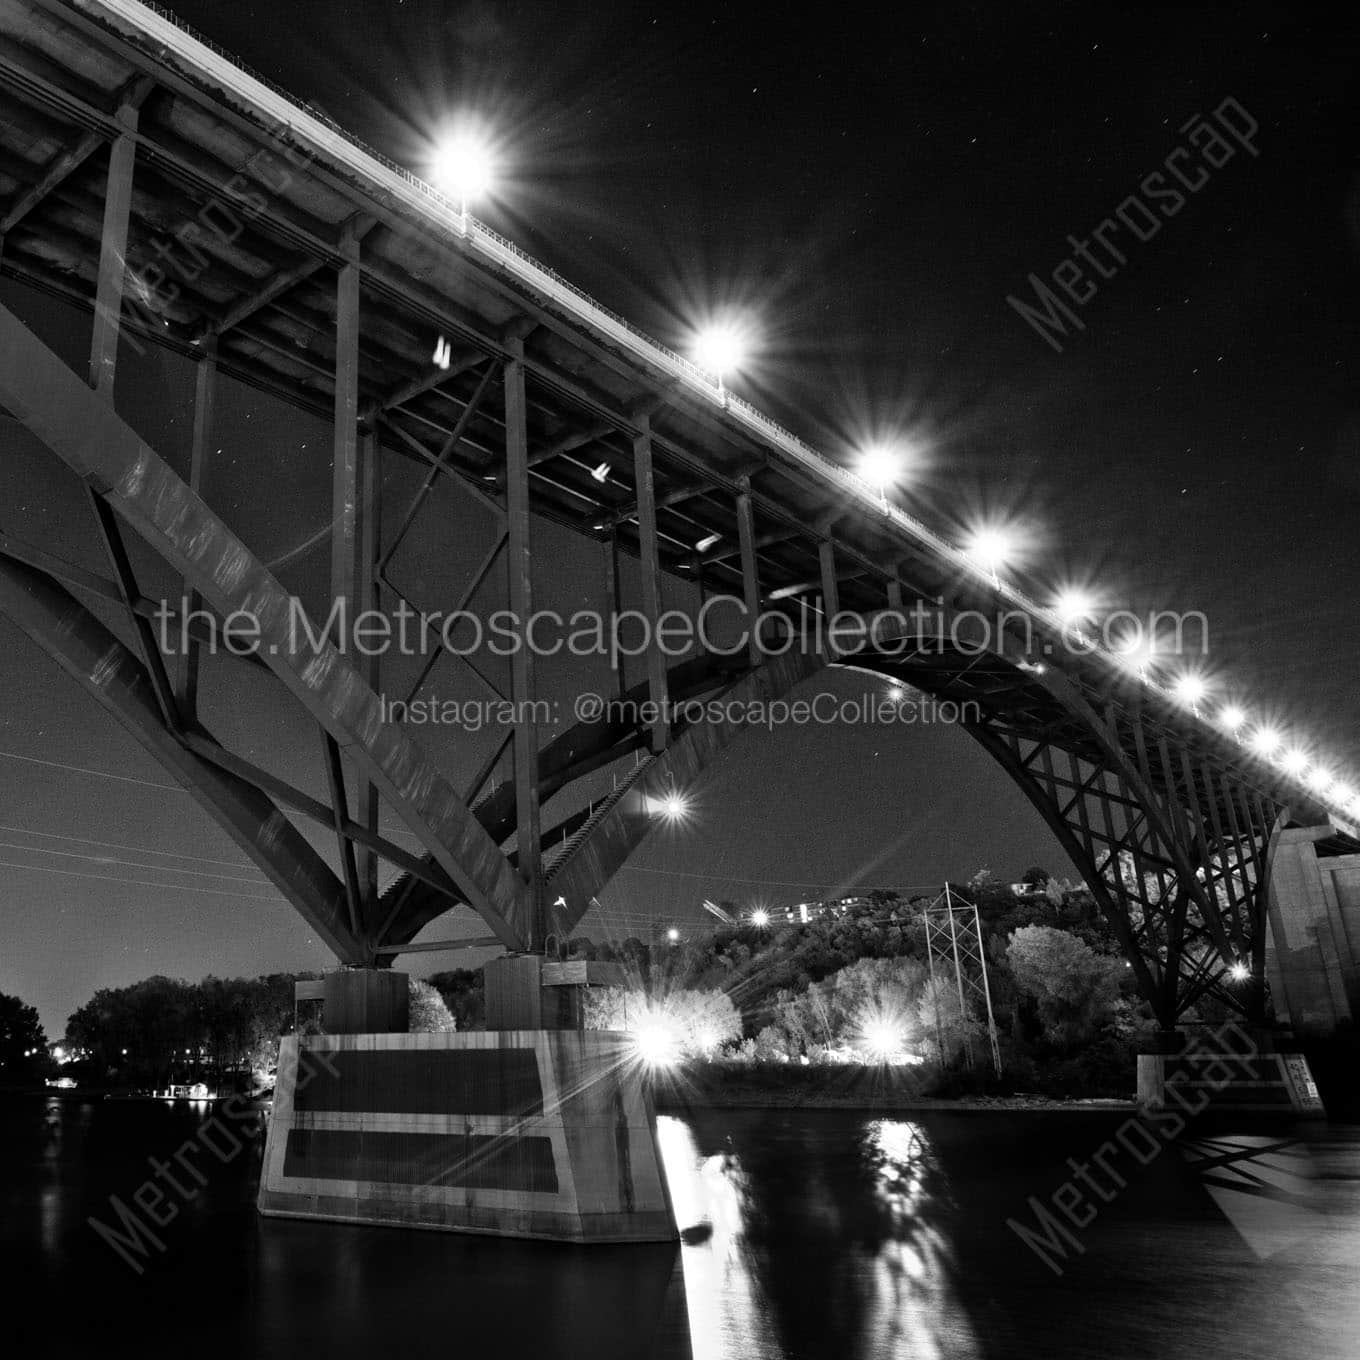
[954, 948]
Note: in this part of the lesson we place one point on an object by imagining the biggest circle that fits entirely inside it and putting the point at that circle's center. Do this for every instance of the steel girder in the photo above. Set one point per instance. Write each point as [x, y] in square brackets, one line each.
[86, 434]
[112, 675]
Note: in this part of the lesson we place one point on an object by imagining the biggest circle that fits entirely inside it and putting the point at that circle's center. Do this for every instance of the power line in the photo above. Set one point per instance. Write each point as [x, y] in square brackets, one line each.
[131, 864]
[135, 882]
[755, 882]
[101, 774]
[119, 845]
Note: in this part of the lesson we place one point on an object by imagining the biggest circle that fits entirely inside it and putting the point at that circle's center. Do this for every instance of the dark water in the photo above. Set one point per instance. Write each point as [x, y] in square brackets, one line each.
[807, 1235]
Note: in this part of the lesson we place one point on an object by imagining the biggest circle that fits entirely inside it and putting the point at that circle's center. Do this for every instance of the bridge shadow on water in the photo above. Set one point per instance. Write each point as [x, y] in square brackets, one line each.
[805, 1234]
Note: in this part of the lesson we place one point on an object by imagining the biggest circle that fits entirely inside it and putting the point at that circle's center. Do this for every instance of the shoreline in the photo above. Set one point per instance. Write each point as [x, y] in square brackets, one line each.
[672, 1102]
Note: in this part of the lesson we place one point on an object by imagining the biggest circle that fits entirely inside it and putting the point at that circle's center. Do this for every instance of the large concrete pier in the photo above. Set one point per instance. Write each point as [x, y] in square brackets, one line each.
[517, 1132]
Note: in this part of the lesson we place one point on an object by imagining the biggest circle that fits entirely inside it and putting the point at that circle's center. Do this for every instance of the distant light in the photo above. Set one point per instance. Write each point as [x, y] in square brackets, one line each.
[1189, 689]
[463, 166]
[896, 693]
[1321, 780]
[601, 473]
[708, 541]
[1073, 607]
[656, 1041]
[673, 935]
[882, 1037]
[1265, 740]
[1343, 795]
[880, 466]
[760, 917]
[1295, 762]
[720, 349]
[992, 547]
[1239, 972]
[1232, 718]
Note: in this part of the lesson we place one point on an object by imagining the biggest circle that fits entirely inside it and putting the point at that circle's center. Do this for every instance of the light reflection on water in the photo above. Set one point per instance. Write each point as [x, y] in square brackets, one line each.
[885, 1278]
[807, 1235]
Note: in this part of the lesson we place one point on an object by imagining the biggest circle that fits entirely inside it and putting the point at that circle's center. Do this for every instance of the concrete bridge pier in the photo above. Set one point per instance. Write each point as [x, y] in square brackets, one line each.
[533, 1128]
[1233, 1068]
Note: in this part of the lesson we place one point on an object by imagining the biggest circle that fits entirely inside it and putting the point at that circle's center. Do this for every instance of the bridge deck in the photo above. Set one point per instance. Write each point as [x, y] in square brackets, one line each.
[245, 203]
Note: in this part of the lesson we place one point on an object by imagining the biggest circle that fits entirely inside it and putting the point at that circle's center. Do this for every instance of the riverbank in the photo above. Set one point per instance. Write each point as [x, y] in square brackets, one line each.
[732, 1086]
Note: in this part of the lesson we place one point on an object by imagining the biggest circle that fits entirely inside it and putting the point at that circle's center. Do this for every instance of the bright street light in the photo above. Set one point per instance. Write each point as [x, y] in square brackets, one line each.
[1265, 740]
[656, 1041]
[1239, 972]
[881, 467]
[1295, 762]
[1189, 689]
[992, 547]
[463, 167]
[1232, 717]
[720, 349]
[1073, 607]
[760, 917]
[882, 1037]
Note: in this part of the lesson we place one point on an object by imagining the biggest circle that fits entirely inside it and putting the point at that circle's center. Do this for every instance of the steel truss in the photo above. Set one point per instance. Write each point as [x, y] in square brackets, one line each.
[328, 300]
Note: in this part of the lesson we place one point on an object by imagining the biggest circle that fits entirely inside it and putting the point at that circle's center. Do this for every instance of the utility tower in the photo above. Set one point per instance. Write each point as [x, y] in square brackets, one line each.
[954, 950]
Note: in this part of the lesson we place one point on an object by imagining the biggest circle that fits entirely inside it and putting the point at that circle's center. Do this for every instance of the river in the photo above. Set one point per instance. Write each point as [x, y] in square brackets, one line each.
[817, 1234]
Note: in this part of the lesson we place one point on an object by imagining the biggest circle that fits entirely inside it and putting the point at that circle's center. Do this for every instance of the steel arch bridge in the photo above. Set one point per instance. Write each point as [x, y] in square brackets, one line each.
[189, 206]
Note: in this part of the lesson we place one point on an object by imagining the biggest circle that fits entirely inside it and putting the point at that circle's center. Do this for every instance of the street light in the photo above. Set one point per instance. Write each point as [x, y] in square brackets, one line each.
[881, 467]
[1190, 689]
[720, 349]
[463, 166]
[1295, 762]
[760, 918]
[992, 547]
[1265, 740]
[1073, 607]
[1232, 717]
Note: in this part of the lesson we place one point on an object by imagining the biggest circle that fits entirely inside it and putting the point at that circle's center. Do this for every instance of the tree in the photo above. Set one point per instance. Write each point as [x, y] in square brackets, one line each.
[1074, 988]
[23, 1045]
[464, 993]
[1036, 877]
[869, 1006]
[428, 1013]
[698, 1022]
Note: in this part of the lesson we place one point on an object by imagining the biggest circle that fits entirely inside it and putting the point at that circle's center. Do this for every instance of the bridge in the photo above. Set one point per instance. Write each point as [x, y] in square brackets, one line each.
[192, 208]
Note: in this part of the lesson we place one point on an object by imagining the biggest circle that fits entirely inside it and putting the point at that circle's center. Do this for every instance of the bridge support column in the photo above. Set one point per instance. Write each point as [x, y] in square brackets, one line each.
[1232, 1070]
[534, 1128]
[366, 1001]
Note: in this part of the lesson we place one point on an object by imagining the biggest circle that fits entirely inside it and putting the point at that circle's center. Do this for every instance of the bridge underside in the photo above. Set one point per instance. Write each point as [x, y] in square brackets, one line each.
[193, 211]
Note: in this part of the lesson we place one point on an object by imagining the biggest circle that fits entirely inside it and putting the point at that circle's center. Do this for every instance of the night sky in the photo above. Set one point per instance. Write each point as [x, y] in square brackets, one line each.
[868, 185]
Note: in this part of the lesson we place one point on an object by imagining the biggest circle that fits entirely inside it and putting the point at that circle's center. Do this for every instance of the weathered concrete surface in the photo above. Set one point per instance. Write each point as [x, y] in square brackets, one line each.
[1313, 954]
[544, 1134]
[1259, 1083]
[366, 1001]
